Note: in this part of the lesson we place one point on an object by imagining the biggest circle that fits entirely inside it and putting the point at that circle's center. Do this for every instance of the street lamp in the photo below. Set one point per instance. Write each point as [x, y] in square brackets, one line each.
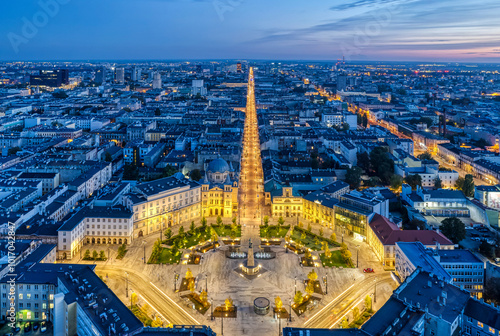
[126, 285]
[176, 276]
[295, 285]
[325, 280]
[290, 309]
[357, 256]
[279, 323]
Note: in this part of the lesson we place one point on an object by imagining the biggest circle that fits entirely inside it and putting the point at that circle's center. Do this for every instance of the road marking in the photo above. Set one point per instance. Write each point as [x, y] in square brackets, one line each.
[163, 317]
[174, 303]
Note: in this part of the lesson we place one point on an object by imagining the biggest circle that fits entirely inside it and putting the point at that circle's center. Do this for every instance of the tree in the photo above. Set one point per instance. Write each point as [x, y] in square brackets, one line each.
[353, 177]
[95, 255]
[219, 220]
[181, 231]
[333, 237]
[298, 298]
[414, 180]
[492, 290]
[321, 232]
[204, 298]
[278, 303]
[382, 163]
[486, 250]
[364, 161]
[228, 303]
[425, 156]
[196, 175]
[157, 323]
[438, 184]
[312, 276]
[133, 298]
[191, 286]
[303, 236]
[266, 220]
[301, 225]
[203, 223]
[355, 313]
[168, 233]
[396, 182]
[459, 183]
[310, 287]
[454, 229]
[368, 303]
[234, 220]
[192, 227]
[108, 157]
[102, 255]
[468, 187]
[308, 254]
[13, 151]
[87, 254]
[309, 227]
[168, 171]
[59, 95]
[281, 221]
[130, 172]
[344, 324]
[365, 121]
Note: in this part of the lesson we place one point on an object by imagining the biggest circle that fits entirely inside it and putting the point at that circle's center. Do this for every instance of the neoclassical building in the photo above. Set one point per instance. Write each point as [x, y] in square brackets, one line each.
[219, 190]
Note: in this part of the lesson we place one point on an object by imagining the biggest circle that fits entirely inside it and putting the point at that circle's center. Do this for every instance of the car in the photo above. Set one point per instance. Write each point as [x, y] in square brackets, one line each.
[11, 334]
[27, 327]
[16, 329]
[43, 327]
[368, 270]
[36, 326]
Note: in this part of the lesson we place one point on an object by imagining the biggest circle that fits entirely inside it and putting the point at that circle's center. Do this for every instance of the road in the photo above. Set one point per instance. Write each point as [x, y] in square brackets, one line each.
[251, 192]
[166, 307]
[332, 314]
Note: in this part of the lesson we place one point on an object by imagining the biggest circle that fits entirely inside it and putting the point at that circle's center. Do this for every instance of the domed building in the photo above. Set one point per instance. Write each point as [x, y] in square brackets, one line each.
[219, 190]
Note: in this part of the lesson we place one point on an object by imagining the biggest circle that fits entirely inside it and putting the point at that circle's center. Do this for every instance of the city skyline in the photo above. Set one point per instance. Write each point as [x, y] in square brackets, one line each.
[456, 31]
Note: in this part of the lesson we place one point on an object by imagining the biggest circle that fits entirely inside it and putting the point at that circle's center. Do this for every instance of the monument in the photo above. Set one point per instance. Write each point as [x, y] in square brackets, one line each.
[249, 269]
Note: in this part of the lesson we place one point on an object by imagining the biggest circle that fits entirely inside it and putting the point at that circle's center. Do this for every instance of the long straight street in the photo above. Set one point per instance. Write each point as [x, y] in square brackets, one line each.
[251, 192]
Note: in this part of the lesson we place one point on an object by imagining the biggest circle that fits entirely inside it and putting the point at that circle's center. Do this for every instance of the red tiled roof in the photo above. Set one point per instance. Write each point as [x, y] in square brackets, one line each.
[389, 233]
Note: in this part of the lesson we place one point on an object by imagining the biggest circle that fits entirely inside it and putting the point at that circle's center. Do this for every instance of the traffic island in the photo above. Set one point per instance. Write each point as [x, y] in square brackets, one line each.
[308, 302]
[199, 302]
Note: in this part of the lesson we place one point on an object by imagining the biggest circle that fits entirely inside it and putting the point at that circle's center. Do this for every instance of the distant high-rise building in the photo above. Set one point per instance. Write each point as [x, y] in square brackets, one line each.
[341, 82]
[100, 75]
[238, 68]
[198, 88]
[120, 75]
[157, 81]
[52, 78]
[136, 74]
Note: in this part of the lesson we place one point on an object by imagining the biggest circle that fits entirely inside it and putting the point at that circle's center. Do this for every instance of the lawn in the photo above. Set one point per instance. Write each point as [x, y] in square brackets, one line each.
[274, 231]
[141, 315]
[189, 239]
[166, 257]
[310, 239]
[361, 320]
[225, 230]
[334, 260]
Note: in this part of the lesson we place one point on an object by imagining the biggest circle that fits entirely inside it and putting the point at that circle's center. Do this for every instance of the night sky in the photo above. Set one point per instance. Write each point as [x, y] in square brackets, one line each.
[399, 30]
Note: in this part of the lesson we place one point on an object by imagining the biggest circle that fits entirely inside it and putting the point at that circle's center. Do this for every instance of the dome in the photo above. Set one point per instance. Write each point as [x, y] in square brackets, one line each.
[218, 166]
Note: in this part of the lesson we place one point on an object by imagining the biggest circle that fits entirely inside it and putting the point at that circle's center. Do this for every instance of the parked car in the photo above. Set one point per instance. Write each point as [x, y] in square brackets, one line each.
[43, 327]
[36, 326]
[368, 270]
[27, 327]
[16, 329]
